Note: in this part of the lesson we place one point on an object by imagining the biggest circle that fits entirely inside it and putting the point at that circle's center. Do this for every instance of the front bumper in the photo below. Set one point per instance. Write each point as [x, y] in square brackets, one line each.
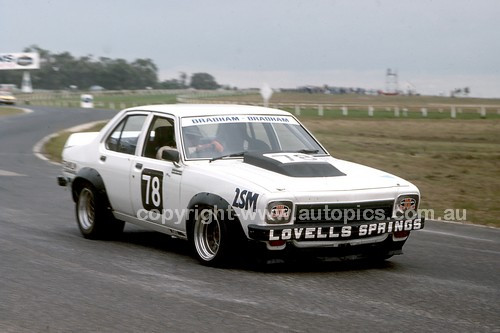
[331, 232]
[64, 181]
[343, 252]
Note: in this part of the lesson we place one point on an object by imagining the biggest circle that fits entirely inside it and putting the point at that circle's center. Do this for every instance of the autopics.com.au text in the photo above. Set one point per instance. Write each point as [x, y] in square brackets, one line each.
[327, 215]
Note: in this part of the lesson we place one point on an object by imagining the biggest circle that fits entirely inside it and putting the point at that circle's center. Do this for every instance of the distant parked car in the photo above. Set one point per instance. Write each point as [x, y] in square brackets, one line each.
[96, 88]
[6, 97]
[228, 176]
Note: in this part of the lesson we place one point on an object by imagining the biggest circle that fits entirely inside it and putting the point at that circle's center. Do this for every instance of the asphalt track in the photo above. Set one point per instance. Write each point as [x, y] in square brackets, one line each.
[53, 280]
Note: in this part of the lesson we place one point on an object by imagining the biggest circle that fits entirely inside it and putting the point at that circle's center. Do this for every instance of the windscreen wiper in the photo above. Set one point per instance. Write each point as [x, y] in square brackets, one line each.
[308, 151]
[226, 156]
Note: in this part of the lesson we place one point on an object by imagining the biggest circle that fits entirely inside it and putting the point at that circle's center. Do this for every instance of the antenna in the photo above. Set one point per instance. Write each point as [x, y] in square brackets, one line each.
[391, 82]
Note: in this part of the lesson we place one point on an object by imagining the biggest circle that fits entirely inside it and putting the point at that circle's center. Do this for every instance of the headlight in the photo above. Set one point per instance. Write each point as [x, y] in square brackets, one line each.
[406, 206]
[68, 166]
[279, 212]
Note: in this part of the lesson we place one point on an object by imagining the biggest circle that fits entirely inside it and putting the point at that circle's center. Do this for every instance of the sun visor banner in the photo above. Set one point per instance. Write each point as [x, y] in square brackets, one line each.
[189, 121]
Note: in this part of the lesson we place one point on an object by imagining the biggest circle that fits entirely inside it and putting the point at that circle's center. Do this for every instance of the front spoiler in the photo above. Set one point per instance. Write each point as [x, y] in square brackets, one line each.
[62, 181]
[331, 231]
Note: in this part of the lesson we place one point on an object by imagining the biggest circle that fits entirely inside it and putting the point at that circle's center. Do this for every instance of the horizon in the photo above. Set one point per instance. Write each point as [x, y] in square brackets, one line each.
[436, 47]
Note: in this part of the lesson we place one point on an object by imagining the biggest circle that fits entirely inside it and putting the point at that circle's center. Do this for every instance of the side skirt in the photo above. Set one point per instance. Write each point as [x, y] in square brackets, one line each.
[151, 225]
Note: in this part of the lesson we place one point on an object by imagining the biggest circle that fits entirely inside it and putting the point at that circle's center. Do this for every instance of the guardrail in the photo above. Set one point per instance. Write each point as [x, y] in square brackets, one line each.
[345, 109]
[72, 99]
[64, 94]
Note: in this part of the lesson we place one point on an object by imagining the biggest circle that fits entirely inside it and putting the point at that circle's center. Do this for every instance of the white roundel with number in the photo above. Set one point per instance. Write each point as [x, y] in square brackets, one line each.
[292, 157]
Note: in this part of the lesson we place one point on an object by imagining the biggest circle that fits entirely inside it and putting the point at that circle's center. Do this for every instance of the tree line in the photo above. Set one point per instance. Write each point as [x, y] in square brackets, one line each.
[60, 71]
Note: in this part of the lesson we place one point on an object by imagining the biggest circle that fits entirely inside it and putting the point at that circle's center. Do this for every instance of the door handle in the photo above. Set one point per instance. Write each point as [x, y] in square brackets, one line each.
[138, 166]
[103, 158]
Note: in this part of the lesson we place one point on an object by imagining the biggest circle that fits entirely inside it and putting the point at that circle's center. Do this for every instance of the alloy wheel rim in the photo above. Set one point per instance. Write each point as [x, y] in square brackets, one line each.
[86, 209]
[207, 235]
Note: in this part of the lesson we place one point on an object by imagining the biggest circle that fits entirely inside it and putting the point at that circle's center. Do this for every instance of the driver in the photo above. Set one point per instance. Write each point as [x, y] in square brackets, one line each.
[194, 147]
[214, 145]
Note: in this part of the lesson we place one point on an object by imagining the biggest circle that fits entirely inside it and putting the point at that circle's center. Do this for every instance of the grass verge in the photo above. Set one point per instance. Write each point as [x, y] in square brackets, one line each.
[54, 146]
[9, 111]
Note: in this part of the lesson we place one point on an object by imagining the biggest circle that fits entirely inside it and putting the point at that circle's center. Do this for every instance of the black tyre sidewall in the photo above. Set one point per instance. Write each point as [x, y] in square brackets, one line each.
[105, 225]
[222, 258]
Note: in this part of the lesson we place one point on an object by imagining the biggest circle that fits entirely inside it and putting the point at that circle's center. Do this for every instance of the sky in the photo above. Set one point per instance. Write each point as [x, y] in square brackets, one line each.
[435, 45]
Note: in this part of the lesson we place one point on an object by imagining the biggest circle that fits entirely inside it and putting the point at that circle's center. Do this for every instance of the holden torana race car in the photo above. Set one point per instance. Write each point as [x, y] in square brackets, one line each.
[225, 177]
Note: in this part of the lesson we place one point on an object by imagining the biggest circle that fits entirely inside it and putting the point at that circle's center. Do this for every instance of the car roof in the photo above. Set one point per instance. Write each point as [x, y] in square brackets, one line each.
[192, 110]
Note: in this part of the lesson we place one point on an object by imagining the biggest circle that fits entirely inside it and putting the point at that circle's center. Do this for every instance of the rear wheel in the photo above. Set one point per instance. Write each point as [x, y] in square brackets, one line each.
[93, 217]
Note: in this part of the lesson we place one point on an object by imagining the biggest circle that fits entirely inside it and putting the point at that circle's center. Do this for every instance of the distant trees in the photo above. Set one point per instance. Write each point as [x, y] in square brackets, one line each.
[61, 70]
[460, 92]
[203, 81]
[179, 83]
[172, 84]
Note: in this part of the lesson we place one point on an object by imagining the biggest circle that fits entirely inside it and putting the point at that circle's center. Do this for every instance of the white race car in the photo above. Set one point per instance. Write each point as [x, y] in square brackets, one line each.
[7, 97]
[225, 177]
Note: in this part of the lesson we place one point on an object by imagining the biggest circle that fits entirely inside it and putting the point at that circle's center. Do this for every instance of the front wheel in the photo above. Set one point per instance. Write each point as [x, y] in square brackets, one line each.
[93, 217]
[209, 237]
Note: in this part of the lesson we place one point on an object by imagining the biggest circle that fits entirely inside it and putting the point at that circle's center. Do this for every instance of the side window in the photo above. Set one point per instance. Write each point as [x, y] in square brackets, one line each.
[124, 137]
[161, 133]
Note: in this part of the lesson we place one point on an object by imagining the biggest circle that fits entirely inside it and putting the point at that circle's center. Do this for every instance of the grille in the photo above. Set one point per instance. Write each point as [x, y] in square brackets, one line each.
[344, 212]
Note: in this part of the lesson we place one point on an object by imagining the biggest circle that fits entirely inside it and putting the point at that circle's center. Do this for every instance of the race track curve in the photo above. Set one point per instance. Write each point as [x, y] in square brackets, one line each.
[53, 280]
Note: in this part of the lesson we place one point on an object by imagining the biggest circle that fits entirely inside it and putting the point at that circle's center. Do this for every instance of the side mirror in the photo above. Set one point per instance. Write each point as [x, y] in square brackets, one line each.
[170, 154]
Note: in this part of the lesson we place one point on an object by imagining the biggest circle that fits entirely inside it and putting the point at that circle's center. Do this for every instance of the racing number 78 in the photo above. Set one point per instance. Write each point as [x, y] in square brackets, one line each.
[152, 189]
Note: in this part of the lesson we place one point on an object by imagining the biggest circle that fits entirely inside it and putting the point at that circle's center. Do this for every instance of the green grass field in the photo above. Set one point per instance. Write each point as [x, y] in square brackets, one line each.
[455, 163]
[9, 110]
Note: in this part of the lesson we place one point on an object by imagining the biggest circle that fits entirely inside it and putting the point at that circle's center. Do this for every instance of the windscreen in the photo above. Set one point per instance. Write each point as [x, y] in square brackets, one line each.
[215, 136]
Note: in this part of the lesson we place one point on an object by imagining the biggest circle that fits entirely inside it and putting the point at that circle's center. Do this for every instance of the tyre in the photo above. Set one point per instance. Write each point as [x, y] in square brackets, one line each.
[94, 219]
[210, 237]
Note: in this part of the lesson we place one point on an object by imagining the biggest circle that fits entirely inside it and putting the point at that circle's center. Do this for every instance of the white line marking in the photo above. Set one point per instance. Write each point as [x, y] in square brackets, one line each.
[83, 127]
[38, 147]
[10, 174]
[455, 235]
[464, 223]
[25, 110]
